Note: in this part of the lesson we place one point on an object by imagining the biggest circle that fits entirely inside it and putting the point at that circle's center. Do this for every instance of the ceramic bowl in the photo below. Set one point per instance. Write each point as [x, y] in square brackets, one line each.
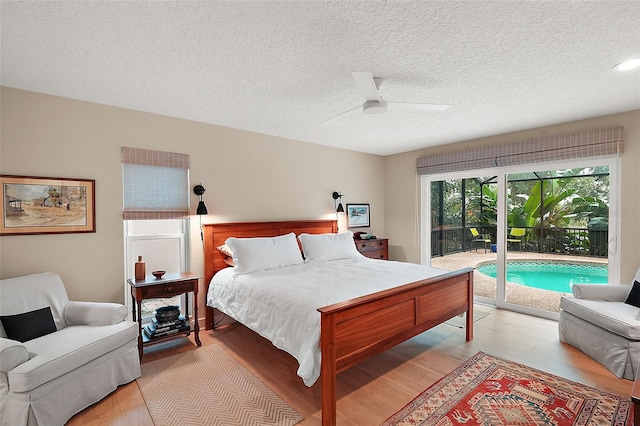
[158, 274]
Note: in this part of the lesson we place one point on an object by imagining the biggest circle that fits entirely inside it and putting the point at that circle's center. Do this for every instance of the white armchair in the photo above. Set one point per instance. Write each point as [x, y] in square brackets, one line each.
[597, 321]
[57, 356]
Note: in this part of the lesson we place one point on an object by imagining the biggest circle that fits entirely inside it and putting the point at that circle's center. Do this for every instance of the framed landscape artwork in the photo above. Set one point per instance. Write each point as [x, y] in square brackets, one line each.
[39, 205]
[358, 215]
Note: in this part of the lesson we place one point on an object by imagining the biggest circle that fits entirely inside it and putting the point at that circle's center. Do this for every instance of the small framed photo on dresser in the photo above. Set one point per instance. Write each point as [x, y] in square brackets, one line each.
[358, 215]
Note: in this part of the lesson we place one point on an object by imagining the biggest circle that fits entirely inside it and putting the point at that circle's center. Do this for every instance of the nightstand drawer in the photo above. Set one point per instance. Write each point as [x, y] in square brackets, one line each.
[169, 289]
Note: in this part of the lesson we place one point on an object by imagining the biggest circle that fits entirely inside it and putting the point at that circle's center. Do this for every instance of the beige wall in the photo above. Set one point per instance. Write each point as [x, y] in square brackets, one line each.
[248, 176]
[400, 187]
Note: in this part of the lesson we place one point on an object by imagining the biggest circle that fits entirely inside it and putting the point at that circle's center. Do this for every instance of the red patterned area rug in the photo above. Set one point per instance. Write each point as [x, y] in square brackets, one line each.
[491, 391]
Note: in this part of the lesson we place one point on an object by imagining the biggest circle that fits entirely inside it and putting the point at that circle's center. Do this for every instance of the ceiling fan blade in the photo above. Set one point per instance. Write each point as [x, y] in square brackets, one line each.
[366, 84]
[416, 107]
[335, 117]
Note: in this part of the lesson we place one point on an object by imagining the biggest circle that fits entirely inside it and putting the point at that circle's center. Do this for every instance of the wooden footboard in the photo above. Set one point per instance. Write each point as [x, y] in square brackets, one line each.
[354, 330]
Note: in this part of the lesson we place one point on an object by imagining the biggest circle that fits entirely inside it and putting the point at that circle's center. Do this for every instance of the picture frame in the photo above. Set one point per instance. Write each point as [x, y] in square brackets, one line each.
[43, 205]
[358, 215]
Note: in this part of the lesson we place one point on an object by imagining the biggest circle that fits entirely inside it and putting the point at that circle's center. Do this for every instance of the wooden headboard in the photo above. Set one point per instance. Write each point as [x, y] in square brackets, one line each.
[216, 234]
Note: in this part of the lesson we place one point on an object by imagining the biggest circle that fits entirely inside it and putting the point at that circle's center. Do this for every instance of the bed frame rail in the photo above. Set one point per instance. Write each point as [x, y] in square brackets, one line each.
[357, 329]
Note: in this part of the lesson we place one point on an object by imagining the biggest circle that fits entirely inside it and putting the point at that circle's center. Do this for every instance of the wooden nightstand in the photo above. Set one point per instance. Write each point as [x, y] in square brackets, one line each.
[375, 249]
[168, 286]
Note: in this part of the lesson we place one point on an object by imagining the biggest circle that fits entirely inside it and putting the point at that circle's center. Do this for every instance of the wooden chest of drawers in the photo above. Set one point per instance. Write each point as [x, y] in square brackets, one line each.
[375, 249]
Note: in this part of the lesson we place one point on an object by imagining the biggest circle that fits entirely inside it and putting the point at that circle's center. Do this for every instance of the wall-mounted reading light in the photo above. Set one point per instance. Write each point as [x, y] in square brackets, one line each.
[199, 190]
[202, 209]
[337, 197]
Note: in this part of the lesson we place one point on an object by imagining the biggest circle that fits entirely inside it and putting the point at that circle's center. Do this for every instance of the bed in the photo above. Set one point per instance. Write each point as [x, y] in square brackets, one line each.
[354, 329]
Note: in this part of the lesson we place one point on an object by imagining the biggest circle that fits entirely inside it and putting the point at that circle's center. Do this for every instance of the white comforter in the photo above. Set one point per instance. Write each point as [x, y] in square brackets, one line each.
[281, 304]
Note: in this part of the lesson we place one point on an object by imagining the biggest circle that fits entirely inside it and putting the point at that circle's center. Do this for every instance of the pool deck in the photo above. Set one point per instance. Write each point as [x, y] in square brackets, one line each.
[518, 294]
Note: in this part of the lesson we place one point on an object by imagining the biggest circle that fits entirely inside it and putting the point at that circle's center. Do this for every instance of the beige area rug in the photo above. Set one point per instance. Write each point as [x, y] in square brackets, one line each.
[460, 321]
[206, 386]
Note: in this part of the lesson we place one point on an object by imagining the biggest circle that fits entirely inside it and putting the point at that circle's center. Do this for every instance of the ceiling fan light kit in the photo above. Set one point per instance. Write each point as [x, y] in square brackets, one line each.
[374, 107]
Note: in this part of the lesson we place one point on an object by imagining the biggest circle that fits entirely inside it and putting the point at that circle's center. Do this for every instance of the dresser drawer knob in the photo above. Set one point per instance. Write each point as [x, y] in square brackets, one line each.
[168, 289]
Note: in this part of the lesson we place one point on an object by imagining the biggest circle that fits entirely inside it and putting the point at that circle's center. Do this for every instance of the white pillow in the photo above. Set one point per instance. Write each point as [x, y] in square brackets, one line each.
[318, 247]
[255, 254]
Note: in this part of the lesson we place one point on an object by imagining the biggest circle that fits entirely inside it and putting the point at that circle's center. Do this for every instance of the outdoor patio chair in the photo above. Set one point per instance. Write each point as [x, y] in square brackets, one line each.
[516, 236]
[478, 238]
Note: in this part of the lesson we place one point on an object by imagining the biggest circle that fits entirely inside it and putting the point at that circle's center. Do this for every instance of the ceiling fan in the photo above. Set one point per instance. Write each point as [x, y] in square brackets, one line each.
[374, 104]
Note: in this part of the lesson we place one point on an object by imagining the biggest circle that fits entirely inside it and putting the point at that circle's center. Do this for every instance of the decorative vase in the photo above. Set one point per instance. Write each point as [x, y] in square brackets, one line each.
[141, 269]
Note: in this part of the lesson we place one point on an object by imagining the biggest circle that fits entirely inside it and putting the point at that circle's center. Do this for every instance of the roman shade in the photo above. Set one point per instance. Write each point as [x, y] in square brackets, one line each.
[155, 184]
[586, 144]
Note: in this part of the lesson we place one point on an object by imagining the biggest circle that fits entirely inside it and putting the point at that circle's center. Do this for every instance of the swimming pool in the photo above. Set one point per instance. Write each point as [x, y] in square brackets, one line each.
[549, 275]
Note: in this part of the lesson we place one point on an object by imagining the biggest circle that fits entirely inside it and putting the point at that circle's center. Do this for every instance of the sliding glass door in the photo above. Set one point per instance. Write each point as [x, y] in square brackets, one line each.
[530, 234]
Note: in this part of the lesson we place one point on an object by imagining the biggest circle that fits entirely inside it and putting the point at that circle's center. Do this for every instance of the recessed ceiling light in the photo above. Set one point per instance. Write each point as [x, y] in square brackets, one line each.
[627, 65]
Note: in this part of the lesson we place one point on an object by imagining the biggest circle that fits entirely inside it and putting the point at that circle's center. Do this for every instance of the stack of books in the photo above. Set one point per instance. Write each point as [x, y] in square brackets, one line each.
[159, 329]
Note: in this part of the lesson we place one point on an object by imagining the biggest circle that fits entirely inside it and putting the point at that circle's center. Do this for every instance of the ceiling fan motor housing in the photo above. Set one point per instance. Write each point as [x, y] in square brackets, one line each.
[374, 107]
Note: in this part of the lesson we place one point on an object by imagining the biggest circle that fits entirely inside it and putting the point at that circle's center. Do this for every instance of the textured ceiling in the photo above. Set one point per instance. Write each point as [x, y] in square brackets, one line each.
[281, 68]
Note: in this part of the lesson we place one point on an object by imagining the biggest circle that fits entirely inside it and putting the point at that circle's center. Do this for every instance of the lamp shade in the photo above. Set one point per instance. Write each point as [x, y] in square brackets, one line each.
[202, 209]
[337, 197]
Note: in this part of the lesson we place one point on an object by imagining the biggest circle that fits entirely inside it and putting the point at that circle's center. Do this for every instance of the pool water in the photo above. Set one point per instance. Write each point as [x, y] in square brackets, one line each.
[552, 276]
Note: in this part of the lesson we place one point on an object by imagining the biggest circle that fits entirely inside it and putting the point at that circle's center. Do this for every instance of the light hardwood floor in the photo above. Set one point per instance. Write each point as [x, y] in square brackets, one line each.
[372, 391]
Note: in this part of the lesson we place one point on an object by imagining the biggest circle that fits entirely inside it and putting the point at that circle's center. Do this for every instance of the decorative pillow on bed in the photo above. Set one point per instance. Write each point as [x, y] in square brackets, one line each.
[227, 253]
[224, 249]
[255, 254]
[318, 247]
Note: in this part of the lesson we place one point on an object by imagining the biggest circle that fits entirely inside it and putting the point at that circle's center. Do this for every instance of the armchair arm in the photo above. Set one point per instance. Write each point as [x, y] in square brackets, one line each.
[12, 354]
[94, 313]
[605, 292]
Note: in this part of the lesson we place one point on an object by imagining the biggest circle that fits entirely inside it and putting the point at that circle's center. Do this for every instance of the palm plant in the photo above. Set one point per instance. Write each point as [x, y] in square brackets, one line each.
[545, 209]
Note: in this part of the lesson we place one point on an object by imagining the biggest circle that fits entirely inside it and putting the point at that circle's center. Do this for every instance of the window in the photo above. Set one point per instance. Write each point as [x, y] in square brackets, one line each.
[155, 213]
[163, 245]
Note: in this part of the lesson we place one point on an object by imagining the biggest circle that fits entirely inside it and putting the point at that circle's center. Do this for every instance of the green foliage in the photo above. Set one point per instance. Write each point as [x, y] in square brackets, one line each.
[482, 202]
[590, 207]
[546, 206]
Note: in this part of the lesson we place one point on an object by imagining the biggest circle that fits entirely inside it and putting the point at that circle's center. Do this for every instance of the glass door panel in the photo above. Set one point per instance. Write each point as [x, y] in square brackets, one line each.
[463, 228]
[556, 234]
